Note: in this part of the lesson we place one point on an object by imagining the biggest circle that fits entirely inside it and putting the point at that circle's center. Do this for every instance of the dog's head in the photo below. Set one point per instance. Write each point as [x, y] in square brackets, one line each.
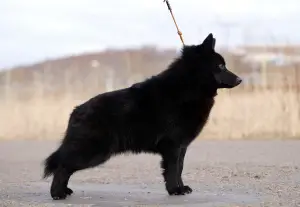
[208, 65]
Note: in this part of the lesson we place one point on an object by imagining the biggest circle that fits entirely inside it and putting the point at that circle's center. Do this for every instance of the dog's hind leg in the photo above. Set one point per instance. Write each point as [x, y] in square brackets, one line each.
[182, 153]
[59, 189]
[74, 160]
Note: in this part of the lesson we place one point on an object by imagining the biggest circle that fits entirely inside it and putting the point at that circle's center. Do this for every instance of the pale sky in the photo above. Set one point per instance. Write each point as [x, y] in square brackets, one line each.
[33, 30]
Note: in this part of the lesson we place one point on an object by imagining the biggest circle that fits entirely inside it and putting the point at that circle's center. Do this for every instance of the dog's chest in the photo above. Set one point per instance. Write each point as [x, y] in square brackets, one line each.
[188, 119]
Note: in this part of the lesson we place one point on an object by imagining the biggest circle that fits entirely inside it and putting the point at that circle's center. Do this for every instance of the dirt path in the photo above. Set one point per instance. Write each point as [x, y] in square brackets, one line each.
[221, 173]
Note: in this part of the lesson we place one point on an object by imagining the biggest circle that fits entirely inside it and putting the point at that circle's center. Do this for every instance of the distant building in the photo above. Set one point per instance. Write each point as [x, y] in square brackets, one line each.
[279, 56]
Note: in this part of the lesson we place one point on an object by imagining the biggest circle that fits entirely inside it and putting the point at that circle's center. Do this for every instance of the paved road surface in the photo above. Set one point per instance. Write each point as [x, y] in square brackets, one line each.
[221, 173]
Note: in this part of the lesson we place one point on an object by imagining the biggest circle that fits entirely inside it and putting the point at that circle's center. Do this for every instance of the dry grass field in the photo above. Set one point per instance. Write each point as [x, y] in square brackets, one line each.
[252, 115]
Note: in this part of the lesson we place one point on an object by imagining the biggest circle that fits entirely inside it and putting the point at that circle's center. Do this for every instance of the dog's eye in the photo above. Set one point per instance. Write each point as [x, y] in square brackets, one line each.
[222, 67]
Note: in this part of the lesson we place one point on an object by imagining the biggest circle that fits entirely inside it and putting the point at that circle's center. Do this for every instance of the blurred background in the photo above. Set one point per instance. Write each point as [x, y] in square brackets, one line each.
[57, 54]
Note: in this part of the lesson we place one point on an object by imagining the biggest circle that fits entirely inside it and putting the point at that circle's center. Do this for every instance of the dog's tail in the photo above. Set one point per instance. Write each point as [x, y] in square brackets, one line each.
[51, 163]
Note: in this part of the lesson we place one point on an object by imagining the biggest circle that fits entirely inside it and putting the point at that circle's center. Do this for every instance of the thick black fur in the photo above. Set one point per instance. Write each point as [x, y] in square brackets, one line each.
[161, 115]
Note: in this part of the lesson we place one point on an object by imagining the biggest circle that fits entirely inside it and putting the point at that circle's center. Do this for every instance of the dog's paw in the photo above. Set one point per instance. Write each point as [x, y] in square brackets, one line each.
[180, 190]
[59, 197]
[187, 189]
[59, 194]
[69, 191]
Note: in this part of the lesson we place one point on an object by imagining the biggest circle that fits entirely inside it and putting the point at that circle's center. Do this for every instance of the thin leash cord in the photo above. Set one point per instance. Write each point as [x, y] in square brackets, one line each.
[178, 31]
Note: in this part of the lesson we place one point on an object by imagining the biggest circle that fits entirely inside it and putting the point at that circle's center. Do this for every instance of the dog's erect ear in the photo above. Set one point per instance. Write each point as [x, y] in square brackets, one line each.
[214, 43]
[209, 42]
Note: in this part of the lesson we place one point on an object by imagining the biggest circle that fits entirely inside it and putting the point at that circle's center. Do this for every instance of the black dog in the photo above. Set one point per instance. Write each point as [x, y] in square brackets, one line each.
[161, 115]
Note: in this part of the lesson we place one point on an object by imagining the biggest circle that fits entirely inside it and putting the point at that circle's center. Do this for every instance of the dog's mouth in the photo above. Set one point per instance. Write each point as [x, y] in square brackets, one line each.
[236, 83]
[227, 79]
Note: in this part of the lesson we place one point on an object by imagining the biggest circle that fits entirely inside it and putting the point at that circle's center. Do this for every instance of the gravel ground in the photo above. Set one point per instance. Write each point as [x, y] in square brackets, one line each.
[221, 173]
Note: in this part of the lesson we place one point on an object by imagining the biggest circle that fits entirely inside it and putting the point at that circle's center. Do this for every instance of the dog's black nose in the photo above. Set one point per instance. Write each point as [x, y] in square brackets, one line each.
[238, 80]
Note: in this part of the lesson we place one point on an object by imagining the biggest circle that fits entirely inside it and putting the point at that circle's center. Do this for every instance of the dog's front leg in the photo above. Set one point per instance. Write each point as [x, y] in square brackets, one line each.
[185, 188]
[172, 170]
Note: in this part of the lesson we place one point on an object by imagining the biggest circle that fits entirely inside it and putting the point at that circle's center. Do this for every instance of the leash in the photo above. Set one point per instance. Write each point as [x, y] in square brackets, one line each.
[178, 31]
